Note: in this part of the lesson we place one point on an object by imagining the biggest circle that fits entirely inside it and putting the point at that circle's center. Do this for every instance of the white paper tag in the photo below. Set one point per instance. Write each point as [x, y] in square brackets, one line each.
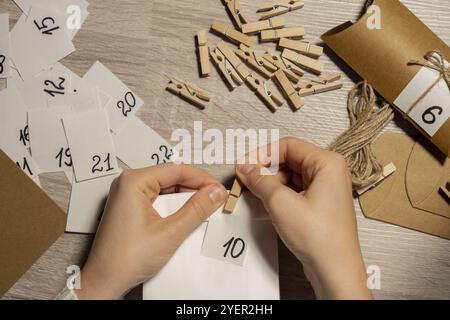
[23, 159]
[203, 278]
[139, 146]
[91, 145]
[48, 140]
[14, 131]
[39, 40]
[4, 45]
[87, 202]
[123, 104]
[434, 109]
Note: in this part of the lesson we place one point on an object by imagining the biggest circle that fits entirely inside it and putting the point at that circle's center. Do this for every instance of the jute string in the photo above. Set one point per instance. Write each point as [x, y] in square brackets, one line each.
[366, 122]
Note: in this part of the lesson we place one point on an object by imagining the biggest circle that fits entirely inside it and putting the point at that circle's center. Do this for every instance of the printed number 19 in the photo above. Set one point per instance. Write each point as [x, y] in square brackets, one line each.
[234, 244]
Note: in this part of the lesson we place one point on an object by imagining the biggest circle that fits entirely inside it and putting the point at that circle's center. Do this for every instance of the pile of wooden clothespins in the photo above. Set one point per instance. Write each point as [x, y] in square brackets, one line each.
[243, 64]
[285, 68]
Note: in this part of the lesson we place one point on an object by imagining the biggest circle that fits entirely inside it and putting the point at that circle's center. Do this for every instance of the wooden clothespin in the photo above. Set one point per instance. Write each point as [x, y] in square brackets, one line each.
[288, 89]
[233, 59]
[446, 190]
[232, 34]
[279, 7]
[387, 171]
[256, 27]
[272, 99]
[264, 67]
[305, 48]
[233, 196]
[232, 78]
[195, 96]
[236, 12]
[203, 52]
[303, 61]
[292, 71]
[292, 33]
[322, 84]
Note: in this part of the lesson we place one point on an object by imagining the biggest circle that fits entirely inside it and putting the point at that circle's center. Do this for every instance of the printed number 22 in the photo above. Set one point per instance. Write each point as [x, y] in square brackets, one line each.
[130, 102]
[167, 155]
[233, 245]
[44, 27]
[97, 164]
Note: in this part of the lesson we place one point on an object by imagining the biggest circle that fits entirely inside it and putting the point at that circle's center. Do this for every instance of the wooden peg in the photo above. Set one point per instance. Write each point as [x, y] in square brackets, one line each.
[256, 27]
[387, 171]
[272, 99]
[233, 60]
[203, 52]
[288, 89]
[264, 67]
[195, 96]
[322, 84]
[303, 61]
[232, 78]
[305, 48]
[233, 196]
[292, 71]
[446, 190]
[274, 35]
[236, 12]
[279, 7]
[232, 34]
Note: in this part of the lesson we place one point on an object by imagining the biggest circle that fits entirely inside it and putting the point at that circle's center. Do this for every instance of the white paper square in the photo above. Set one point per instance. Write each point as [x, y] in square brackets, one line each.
[139, 146]
[4, 46]
[124, 103]
[39, 40]
[433, 110]
[90, 144]
[48, 140]
[87, 202]
[203, 278]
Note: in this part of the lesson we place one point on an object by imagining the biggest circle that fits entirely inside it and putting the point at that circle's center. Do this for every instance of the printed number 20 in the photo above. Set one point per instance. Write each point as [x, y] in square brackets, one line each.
[127, 104]
[234, 244]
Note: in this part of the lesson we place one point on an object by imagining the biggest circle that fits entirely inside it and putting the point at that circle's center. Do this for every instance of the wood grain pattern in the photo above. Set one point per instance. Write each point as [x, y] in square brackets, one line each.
[143, 42]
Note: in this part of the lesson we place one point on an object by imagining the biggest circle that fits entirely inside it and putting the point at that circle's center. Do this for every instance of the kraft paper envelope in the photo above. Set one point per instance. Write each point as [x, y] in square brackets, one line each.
[389, 201]
[424, 176]
[381, 56]
[29, 223]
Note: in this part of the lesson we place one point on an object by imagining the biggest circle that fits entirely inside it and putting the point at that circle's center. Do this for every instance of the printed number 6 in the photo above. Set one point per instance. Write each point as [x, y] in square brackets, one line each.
[429, 117]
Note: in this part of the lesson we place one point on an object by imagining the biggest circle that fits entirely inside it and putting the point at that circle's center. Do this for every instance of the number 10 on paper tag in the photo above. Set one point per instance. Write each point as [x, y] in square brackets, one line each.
[226, 238]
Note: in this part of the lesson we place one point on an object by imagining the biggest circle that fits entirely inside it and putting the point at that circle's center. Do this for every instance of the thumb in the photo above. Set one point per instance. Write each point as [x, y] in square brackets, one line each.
[267, 187]
[198, 208]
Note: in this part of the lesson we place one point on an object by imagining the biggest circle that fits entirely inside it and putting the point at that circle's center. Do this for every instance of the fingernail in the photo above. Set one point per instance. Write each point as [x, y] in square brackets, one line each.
[218, 194]
[246, 168]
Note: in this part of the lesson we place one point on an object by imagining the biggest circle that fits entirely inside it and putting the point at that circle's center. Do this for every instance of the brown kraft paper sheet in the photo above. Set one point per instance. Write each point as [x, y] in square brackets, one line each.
[381, 56]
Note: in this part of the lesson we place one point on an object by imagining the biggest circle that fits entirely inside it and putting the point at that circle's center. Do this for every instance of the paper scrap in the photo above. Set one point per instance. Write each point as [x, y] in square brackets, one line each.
[87, 202]
[203, 278]
[4, 45]
[124, 103]
[48, 140]
[139, 146]
[39, 40]
[91, 145]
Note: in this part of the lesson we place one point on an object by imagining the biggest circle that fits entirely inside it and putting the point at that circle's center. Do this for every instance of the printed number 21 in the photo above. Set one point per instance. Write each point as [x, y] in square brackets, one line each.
[97, 164]
[234, 244]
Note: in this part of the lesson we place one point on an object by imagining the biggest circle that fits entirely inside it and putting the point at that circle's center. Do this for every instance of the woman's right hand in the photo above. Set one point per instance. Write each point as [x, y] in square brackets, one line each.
[311, 205]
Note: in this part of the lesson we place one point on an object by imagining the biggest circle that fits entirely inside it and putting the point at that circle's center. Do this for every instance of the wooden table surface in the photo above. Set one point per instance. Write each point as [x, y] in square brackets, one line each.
[143, 42]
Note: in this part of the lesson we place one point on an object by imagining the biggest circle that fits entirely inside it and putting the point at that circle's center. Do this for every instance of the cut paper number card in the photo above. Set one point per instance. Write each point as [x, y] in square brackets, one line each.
[192, 276]
[123, 104]
[90, 144]
[48, 140]
[139, 146]
[4, 45]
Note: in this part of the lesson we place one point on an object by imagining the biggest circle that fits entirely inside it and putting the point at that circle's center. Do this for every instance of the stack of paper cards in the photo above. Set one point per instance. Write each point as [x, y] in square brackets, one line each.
[192, 275]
